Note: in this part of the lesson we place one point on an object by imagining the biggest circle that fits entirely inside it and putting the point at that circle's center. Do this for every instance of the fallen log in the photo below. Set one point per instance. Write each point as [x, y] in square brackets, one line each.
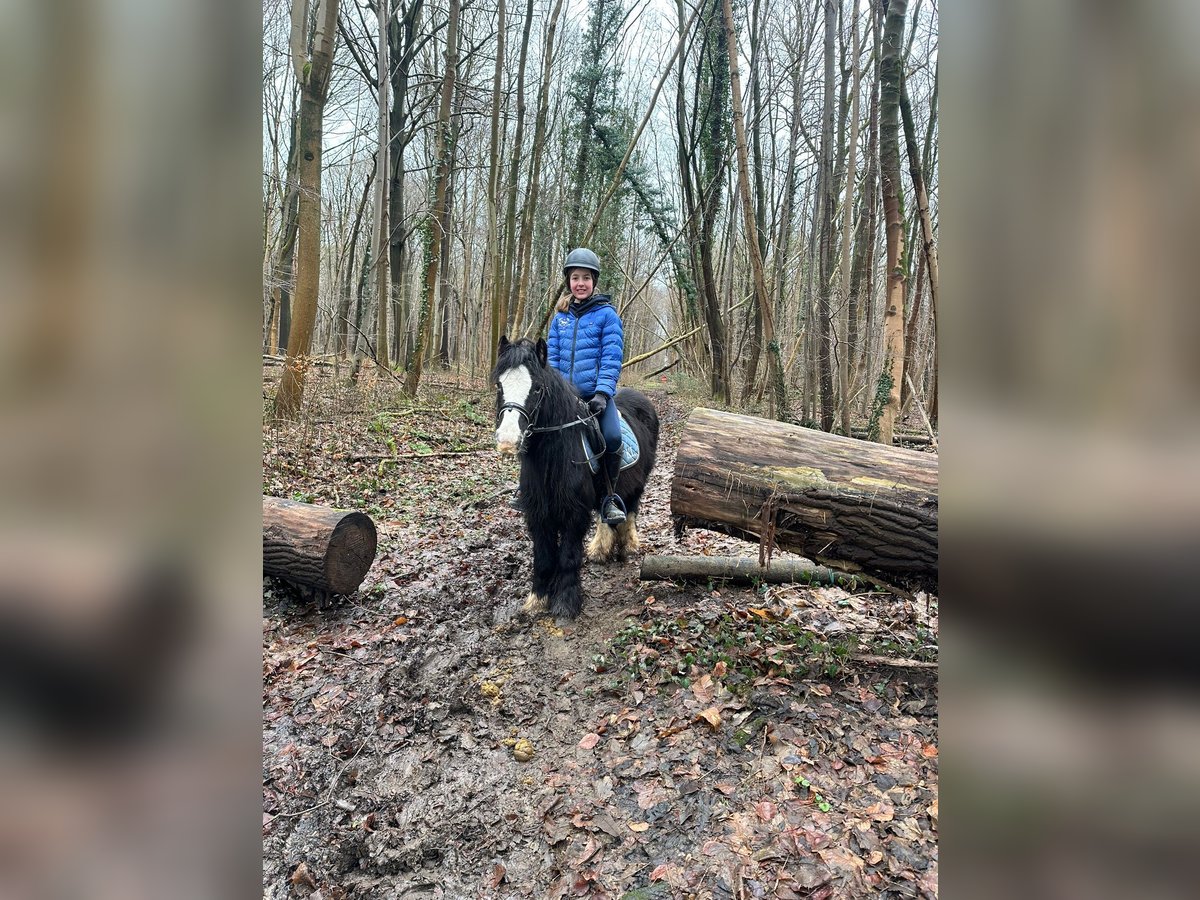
[742, 570]
[321, 548]
[858, 505]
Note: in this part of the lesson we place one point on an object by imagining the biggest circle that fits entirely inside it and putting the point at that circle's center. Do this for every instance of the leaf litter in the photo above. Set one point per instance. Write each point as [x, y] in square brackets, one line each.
[678, 740]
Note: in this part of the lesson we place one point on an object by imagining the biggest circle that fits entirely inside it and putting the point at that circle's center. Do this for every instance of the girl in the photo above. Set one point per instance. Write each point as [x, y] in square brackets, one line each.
[587, 345]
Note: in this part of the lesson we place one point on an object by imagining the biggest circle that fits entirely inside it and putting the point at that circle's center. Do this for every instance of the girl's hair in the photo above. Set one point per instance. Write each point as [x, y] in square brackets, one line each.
[564, 303]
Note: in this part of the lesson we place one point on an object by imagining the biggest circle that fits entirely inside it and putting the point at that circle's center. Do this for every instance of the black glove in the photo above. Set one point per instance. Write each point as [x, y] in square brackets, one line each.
[598, 404]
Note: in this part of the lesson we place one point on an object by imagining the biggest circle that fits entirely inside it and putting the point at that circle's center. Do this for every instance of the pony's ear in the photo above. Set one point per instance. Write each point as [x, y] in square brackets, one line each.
[543, 352]
[503, 342]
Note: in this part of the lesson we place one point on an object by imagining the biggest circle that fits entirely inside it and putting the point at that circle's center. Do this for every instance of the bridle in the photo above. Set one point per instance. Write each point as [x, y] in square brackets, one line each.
[530, 416]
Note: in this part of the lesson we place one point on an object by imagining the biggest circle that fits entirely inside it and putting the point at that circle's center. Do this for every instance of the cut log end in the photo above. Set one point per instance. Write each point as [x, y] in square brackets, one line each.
[324, 549]
[350, 554]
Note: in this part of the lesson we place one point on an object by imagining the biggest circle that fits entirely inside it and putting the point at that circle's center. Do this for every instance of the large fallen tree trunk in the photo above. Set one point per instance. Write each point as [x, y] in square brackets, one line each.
[315, 546]
[856, 505]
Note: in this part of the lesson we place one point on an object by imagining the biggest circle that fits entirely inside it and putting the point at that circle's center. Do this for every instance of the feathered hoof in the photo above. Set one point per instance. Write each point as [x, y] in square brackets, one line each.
[627, 535]
[600, 547]
[535, 605]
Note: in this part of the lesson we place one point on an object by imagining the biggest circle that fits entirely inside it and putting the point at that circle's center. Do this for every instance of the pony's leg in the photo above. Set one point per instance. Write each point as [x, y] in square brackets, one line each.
[600, 547]
[627, 536]
[545, 558]
[566, 592]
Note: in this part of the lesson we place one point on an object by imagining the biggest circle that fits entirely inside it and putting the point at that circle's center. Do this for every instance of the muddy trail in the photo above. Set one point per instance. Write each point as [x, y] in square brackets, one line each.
[423, 739]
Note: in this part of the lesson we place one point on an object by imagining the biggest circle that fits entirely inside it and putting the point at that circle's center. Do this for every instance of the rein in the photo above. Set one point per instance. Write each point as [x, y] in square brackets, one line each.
[563, 427]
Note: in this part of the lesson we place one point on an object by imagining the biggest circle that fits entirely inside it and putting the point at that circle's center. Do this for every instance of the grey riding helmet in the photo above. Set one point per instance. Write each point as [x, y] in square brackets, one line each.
[581, 258]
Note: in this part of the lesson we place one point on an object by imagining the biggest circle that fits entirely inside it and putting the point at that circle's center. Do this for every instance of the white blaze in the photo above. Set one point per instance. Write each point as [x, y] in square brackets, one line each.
[515, 385]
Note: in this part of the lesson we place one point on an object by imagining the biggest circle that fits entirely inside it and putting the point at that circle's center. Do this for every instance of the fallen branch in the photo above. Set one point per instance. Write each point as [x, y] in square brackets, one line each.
[742, 570]
[898, 663]
[388, 457]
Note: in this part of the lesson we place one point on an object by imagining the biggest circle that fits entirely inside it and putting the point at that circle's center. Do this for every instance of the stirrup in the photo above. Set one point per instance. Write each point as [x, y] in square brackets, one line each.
[517, 502]
[612, 510]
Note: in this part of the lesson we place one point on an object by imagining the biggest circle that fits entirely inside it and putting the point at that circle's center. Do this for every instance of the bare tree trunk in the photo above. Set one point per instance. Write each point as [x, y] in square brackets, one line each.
[404, 39]
[313, 75]
[493, 268]
[825, 191]
[435, 224]
[341, 333]
[929, 250]
[525, 253]
[509, 237]
[774, 362]
[381, 187]
[847, 218]
[891, 76]
[864, 238]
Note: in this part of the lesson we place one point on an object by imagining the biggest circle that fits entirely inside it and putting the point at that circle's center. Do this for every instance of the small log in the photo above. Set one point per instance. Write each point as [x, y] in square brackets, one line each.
[742, 570]
[830, 498]
[315, 546]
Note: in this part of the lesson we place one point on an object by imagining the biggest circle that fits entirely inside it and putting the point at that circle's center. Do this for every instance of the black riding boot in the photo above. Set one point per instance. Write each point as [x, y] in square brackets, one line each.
[612, 510]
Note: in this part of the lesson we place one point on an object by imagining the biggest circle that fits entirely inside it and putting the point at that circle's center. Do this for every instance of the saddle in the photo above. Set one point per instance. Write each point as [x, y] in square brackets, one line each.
[594, 449]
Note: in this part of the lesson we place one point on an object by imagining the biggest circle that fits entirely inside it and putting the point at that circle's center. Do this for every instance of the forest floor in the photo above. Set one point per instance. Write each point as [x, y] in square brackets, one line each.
[705, 741]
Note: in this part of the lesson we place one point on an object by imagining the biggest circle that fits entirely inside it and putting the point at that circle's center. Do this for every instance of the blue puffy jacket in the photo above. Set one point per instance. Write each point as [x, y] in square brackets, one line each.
[587, 345]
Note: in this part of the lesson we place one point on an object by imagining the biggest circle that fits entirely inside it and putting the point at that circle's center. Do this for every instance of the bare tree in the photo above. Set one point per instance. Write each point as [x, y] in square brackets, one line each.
[435, 224]
[774, 362]
[312, 73]
[887, 406]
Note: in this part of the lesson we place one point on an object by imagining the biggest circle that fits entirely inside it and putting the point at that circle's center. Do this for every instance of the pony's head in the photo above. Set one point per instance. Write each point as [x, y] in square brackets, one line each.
[517, 376]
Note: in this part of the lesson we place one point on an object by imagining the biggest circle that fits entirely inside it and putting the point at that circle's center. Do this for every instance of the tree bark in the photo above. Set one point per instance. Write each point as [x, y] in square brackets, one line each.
[865, 234]
[888, 387]
[322, 548]
[524, 254]
[435, 223]
[381, 186]
[825, 193]
[775, 362]
[313, 75]
[919, 188]
[739, 569]
[495, 290]
[844, 358]
[831, 498]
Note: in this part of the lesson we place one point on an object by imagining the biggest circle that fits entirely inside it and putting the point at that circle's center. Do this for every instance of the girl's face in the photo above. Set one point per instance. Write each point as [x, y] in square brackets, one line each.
[581, 283]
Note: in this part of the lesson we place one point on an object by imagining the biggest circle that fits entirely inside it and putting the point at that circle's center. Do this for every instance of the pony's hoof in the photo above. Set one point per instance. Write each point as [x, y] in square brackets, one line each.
[627, 536]
[600, 547]
[534, 605]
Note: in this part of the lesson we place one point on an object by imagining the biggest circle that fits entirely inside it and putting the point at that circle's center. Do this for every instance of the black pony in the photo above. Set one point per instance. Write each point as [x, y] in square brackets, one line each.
[540, 417]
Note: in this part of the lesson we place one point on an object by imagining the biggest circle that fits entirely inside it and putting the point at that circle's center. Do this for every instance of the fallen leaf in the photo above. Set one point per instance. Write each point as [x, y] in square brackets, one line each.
[765, 810]
[929, 751]
[881, 811]
[703, 688]
[400, 620]
[498, 874]
[720, 669]
[761, 613]
[933, 813]
[712, 716]
[301, 876]
[639, 827]
[588, 852]
[590, 740]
